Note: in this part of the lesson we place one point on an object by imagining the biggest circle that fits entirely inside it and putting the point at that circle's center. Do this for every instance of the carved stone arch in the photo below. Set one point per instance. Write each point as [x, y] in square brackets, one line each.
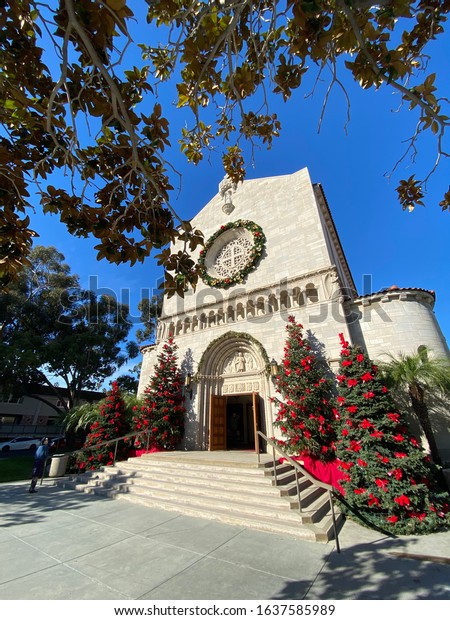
[202, 321]
[273, 303]
[211, 318]
[285, 302]
[233, 366]
[220, 317]
[298, 297]
[219, 352]
[312, 294]
[260, 306]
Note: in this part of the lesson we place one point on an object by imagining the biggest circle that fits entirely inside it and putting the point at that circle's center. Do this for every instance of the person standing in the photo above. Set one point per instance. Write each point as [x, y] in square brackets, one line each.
[40, 457]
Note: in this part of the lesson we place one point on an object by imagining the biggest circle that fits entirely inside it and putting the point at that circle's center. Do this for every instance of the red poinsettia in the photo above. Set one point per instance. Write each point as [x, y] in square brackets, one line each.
[420, 516]
[355, 445]
[398, 437]
[373, 501]
[402, 500]
[392, 519]
[366, 423]
[383, 459]
[367, 377]
[347, 466]
[376, 434]
[395, 417]
[369, 395]
[397, 473]
[382, 483]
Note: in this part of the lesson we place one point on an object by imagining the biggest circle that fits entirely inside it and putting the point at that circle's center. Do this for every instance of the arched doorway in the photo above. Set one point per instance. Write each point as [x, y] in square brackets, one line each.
[234, 422]
[233, 385]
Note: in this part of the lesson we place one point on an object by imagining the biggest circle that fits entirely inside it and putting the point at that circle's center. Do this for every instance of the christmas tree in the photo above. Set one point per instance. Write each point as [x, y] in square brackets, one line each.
[112, 423]
[305, 414]
[163, 411]
[386, 475]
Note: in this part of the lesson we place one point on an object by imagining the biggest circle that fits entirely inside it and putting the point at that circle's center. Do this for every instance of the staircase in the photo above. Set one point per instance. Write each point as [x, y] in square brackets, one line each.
[227, 487]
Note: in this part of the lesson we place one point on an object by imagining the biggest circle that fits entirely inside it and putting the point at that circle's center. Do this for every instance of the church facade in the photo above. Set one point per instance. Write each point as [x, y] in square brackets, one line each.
[272, 250]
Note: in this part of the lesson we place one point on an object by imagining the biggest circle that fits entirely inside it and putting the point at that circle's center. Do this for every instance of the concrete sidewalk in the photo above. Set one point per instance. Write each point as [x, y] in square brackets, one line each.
[60, 544]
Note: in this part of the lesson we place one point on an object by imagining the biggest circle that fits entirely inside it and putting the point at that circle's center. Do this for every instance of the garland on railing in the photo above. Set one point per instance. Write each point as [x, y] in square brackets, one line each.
[259, 241]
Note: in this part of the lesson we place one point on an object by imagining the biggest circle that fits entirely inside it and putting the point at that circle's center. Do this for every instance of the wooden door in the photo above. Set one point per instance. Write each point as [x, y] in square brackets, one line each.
[218, 423]
[256, 420]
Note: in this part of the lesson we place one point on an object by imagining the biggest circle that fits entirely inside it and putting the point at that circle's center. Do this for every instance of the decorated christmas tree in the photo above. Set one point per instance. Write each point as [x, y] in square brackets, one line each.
[112, 423]
[305, 414]
[163, 411]
[386, 475]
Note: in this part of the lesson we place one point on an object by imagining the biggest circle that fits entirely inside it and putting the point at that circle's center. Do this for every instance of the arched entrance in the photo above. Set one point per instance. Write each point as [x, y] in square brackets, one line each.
[233, 386]
[234, 422]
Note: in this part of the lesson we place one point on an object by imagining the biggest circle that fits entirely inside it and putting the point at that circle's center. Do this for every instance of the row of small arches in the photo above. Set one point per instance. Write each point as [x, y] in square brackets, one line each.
[262, 306]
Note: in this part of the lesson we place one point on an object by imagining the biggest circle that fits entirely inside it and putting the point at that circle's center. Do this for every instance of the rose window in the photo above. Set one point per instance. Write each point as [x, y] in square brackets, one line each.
[233, 257]
[231, 253]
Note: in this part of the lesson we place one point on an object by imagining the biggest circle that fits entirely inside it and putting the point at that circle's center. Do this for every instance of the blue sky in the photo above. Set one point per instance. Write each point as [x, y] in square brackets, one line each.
[395, 247]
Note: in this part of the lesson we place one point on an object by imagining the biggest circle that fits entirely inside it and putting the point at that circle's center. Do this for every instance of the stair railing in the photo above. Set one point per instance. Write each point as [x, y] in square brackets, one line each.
[298, 469]
[115, 441]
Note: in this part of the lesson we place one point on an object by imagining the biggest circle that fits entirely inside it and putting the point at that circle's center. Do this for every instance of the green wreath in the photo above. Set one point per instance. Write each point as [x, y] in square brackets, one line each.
[259, 242]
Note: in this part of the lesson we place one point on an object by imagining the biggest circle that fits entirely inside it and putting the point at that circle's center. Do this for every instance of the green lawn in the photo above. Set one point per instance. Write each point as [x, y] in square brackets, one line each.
[16, 468]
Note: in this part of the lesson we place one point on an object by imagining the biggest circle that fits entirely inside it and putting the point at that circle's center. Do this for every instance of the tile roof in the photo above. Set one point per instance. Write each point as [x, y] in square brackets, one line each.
[394, 288]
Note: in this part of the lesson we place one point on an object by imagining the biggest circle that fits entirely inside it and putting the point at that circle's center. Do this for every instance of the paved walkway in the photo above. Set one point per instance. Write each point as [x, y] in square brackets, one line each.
[60, 544]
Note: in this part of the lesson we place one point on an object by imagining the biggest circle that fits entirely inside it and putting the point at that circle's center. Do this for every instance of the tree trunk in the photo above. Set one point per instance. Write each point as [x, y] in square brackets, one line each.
[420, 408]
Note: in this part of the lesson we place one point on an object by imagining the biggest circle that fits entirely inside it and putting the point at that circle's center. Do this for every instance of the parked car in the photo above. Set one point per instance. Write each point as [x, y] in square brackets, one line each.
[20, 443]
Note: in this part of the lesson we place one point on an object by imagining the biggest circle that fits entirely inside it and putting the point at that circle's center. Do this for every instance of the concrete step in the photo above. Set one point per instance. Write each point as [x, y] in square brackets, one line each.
[213, 479]
[207, 486]
[307, 526]
[198, 463]
[243, 495]
[214, 471]
[316, 532]
[314, 501]
[217, 486]
[226, 480]
[273, 507]
[266, 524]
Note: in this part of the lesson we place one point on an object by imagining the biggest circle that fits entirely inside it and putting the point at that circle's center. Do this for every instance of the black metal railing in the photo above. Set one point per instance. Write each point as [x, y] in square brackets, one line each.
[301, 470]
[115, 441]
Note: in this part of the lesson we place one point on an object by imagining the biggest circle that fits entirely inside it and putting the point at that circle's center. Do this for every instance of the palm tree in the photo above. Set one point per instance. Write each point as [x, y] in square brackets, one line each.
[84, 415]
[420, 375]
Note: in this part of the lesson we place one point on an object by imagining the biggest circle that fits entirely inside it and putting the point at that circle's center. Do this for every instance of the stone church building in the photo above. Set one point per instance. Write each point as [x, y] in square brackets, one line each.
[271, 250]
